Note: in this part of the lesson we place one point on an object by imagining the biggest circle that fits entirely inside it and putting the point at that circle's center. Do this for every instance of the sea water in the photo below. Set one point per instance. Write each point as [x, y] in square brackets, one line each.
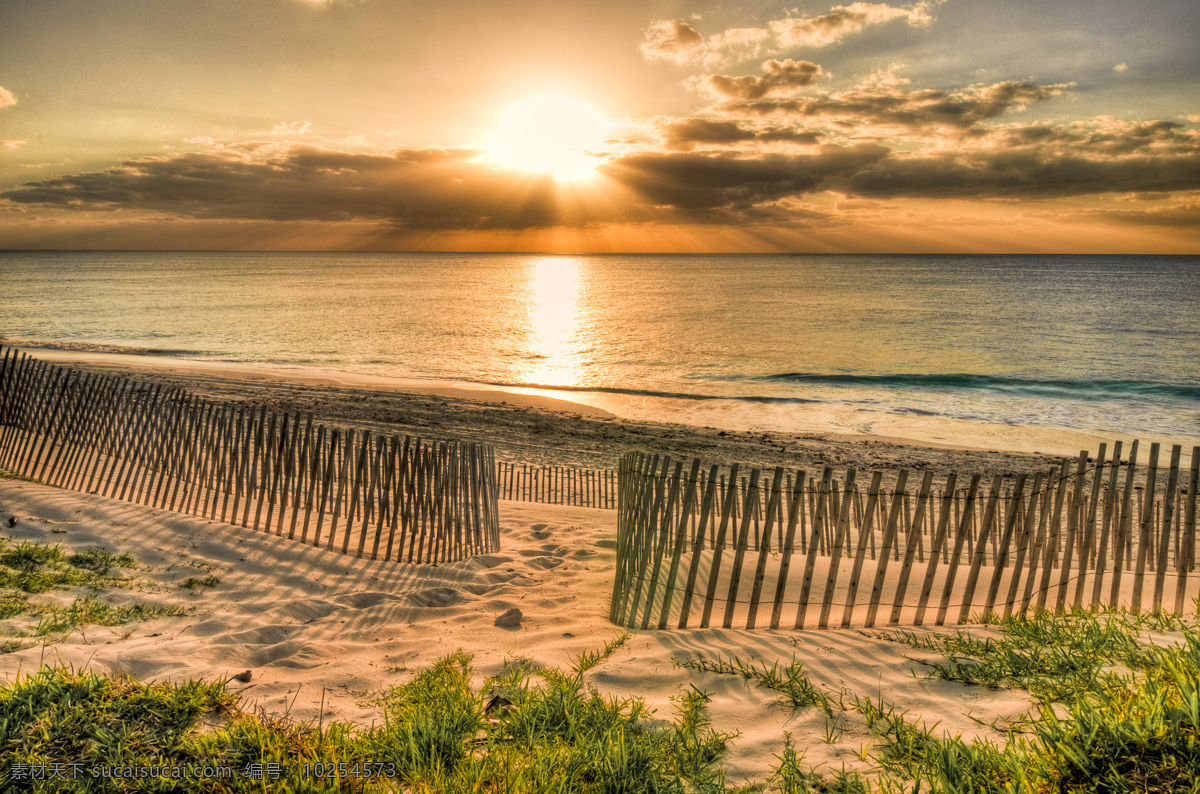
[1101, 344]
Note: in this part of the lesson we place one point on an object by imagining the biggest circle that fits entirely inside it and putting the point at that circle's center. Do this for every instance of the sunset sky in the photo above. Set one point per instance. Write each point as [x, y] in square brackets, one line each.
[944, 125]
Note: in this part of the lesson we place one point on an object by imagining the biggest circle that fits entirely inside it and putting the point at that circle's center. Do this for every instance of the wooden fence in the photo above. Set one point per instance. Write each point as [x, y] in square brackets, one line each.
[558, 485]
[392, 498]
[1080, 535]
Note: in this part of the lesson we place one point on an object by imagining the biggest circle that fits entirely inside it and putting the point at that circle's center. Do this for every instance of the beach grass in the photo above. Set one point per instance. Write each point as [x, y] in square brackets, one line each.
[28, 568]
[789, 681]
[1054, 656]
[1116, 713]
[527, 729]
[31, 567]
[195, 583]
[535, 729]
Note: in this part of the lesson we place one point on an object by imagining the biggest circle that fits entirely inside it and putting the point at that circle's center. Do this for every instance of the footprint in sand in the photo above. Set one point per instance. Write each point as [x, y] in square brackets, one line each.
[365, 600]
[549, 550]
[545, 563]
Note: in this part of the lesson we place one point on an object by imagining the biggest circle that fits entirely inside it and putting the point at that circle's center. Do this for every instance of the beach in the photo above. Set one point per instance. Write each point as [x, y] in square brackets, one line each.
[322, 633]
[319, 630]
[697, 398]
[544, 430]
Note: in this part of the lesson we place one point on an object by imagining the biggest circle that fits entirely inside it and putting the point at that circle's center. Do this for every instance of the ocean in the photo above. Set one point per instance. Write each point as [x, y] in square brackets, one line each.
[1106, 345]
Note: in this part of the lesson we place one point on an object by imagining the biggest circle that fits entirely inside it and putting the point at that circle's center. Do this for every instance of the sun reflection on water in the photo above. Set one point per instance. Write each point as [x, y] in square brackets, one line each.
[554, 339]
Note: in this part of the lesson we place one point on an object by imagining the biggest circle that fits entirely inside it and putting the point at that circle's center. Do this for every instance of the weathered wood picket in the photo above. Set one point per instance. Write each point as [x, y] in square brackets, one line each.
[386, 497]
[559, 485]
[690, 541]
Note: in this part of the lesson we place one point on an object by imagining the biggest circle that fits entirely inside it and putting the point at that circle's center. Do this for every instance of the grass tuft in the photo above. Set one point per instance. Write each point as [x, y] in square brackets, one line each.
[100, 561]
[193, 583]
[1055, 657]
[91, 612]
[31, 567]
[788, 681]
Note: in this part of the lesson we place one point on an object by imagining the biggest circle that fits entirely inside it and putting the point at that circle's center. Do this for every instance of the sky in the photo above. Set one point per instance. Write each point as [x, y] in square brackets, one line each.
[1070, 126]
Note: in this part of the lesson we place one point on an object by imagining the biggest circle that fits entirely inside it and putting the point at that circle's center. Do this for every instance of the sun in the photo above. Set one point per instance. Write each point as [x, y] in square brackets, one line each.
[552, 133]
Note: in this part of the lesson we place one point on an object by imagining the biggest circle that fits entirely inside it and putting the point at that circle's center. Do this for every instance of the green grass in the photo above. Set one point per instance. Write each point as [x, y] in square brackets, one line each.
[788, 681]
[436, 735]
[1055, 657]
[532, 730]
[90, 612]
[101, 561]
[30, 568]
[1116, 713]
[193, 583]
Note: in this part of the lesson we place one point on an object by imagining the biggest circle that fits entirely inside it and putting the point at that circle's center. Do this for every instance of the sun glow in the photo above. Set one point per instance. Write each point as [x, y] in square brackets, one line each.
[550, 132]
[554, 322]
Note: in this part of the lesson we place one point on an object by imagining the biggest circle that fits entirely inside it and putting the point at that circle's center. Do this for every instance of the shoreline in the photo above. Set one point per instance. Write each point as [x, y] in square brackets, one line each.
[839, 423]
[316, 633]
[537, 429]
[843, 423]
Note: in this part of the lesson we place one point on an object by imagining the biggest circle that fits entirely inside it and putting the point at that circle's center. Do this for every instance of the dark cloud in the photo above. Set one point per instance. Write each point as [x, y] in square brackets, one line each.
[726, 181]
[1045, 161]
[410, 188]
[1104, 138]
[1022, 175]
[716, 171]
[437, 189]
[893, 107]
[779, 78]
[687, 134]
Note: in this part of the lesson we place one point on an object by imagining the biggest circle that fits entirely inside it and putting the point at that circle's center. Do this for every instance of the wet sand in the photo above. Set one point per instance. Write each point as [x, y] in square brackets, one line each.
[533, 428]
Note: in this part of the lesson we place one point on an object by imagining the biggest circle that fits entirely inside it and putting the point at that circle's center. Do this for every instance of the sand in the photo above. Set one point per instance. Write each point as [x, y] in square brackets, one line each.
[534, 428]
[315, 625]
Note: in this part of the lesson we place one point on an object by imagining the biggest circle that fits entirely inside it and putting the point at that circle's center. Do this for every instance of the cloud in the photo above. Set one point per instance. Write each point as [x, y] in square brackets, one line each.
[711, 170]
[290, 128]
[843, 21]
[1022, 175]
[1143, 197]
[670, 40]
[439, 189]
[687, 134]
[678, 41]
[1121, 67]
[780, 78]
[1100, 137]
[12, 144]
[7, 99]
[884, 104]
[414, 188]
[726, 181]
